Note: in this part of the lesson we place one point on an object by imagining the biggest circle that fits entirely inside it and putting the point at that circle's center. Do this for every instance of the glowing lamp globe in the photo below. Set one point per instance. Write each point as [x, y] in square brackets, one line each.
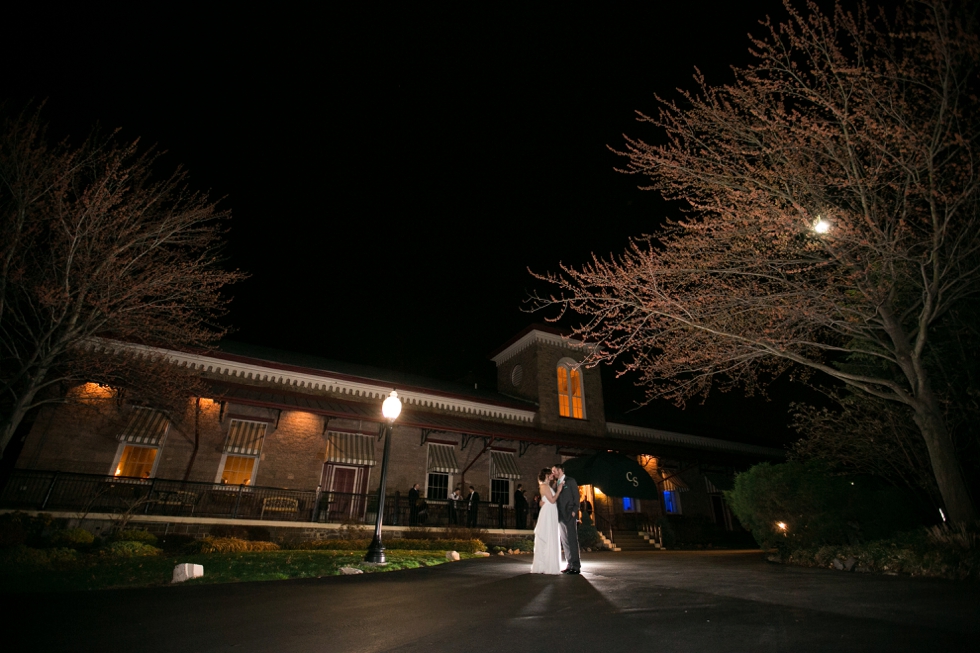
[392, 406]
[821, 226]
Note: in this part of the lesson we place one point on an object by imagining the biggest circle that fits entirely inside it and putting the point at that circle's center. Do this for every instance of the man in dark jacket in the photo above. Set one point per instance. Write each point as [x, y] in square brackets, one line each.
[473, 507]
[413, 505]
[520, 508]
[568, 520]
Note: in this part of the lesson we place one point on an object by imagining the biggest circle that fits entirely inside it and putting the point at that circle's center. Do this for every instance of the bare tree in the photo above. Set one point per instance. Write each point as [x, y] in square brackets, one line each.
[865, 434]
[91, 244]
[832, 191]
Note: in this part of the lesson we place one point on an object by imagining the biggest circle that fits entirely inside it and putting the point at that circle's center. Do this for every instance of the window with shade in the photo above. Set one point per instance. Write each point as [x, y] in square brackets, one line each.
[140, 442]
[136, 461]
[570, 396]
[243, 445]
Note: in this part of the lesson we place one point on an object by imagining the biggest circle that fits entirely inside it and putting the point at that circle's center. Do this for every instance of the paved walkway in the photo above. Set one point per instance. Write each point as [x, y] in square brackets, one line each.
[657, 601]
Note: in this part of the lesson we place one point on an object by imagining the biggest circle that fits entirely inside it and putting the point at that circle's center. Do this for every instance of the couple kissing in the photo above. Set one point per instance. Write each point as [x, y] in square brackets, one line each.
[557, 527]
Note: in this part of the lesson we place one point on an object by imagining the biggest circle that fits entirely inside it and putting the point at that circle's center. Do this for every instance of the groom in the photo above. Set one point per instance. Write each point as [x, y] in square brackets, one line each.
[568, 520]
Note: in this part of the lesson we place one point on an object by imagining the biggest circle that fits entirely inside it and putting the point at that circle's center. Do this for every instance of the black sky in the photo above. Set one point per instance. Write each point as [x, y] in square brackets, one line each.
[394, 172]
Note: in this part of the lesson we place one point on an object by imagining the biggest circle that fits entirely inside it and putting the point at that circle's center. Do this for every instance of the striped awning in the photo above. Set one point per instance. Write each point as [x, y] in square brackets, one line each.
[350, 448]
[245, 437]
[442, 459]
[147, 426]
[716, 483]
[503, 465]
[672, 482]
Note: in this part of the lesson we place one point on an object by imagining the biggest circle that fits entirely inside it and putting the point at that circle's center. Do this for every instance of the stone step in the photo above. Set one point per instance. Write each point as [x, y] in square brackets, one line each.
[634, 541]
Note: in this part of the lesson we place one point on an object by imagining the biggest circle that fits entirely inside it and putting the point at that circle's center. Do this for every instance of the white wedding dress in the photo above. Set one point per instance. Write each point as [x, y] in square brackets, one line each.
[547, 540]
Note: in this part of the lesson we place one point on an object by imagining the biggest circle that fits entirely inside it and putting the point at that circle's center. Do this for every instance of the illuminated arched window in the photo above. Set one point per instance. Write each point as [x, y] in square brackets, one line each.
[570, 397]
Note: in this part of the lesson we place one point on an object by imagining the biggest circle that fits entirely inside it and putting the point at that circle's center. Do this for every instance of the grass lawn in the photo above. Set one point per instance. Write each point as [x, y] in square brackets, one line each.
[92, 572]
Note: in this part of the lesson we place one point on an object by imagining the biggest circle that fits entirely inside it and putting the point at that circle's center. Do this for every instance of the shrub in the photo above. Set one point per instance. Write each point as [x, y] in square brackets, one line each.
[232, 545]
[73, 538]
[18, 528]
[135, 535]
[128, 550]
[959, 535]
[588, 536]
[24, 556]
[524, 545]
[918, 553]
[463, 546]
[817, 507]
[176, 542]
[667, 533]
[12, 531]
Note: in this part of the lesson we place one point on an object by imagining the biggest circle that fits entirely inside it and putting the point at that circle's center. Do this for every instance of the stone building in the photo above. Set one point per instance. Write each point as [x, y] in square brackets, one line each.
[296, 438]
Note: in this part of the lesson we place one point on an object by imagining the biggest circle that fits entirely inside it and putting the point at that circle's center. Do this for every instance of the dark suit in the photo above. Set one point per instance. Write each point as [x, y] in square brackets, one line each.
[520, 509]
[413, 507]
[451, 509]
[472, 509]
[568, 522]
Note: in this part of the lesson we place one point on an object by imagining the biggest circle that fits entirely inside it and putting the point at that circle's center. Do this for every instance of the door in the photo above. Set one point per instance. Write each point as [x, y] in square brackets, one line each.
[342, 492]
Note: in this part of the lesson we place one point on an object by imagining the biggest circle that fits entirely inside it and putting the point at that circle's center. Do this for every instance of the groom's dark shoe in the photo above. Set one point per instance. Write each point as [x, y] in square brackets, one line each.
[566, 571]
[574, 571]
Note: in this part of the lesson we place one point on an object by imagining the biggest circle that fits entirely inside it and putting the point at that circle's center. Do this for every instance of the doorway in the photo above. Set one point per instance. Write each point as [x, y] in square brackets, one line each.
[344, 486]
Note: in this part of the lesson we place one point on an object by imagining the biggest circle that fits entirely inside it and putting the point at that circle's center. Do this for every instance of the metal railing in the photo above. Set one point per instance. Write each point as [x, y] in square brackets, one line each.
[90, 493]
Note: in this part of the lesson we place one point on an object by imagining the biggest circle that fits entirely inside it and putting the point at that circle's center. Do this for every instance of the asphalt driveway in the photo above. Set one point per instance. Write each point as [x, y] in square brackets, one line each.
[657, 601]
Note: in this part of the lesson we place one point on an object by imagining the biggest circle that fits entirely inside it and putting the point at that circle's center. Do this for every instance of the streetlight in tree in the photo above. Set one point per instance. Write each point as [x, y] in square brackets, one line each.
[391, 408]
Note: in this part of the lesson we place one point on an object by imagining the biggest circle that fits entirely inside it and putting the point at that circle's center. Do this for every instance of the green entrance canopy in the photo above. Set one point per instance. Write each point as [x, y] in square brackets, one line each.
[614, 474]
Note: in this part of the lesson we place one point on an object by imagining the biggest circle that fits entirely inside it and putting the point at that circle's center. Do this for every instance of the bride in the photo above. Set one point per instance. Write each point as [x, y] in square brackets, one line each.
[547, 541]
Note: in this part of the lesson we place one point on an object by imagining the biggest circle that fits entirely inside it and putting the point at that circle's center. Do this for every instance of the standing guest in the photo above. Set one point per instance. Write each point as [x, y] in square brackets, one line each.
[586, 507]
[473, 507]
[535, 508]
[413, 505]
[520, 508]
[451, 506]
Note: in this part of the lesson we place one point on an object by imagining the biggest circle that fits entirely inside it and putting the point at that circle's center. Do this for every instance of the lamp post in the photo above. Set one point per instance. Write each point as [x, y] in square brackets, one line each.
[391, 407]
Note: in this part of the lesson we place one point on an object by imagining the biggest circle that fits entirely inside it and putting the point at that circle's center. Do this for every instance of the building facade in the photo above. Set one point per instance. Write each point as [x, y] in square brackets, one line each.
[297, 438]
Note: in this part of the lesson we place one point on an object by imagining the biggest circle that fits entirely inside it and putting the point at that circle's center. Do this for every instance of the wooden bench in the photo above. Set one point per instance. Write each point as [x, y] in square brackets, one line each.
[178, 498]
[279, 504]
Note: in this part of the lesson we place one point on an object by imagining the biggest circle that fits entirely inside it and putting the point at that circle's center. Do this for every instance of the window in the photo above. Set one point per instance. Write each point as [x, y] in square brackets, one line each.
[672, 502]
[441, 467]
[237, 470]
[136, 461]
[503, 470]
[570, 403]
[631, 505]
[500, 491]
[140, 442]
[242, 449]
[438, 486]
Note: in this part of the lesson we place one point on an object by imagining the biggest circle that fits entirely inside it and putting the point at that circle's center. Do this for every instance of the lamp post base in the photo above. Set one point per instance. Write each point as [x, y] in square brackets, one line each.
[375, 552]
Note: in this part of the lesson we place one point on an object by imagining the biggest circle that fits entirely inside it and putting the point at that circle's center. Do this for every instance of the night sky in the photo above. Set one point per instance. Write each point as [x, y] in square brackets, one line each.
[394, 172]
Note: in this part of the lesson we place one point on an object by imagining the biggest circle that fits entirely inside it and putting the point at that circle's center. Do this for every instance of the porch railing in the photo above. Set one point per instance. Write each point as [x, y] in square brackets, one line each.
[90, 493]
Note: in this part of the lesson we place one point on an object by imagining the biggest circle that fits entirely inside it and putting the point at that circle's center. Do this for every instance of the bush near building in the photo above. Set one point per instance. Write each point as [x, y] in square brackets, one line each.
[797, 505]
[938, 552]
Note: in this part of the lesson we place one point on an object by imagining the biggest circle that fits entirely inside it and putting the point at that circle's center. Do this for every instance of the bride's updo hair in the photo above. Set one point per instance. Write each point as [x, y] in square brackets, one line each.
[543, 474]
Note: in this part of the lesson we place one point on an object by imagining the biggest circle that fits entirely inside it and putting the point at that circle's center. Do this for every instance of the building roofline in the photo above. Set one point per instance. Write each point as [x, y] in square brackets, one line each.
[694, 441]
[534, 334]
[257, 369]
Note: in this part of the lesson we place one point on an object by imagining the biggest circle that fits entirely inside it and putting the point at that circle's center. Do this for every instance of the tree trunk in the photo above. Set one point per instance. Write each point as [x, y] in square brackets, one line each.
[12, 421]
[197, 437]
[949, 476]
